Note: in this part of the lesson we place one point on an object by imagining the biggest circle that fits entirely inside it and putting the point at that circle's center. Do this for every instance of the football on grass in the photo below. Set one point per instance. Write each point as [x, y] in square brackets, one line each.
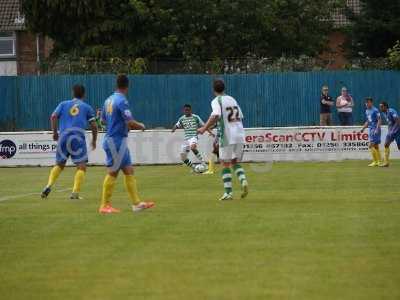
[200, 168]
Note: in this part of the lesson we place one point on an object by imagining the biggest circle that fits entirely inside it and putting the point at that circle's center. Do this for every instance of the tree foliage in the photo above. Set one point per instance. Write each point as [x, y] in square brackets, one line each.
[394, 56]
[375, 29]
[182, 29]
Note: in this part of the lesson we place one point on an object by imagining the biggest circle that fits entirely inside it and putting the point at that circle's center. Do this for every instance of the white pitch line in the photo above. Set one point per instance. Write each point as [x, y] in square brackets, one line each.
[2, 199]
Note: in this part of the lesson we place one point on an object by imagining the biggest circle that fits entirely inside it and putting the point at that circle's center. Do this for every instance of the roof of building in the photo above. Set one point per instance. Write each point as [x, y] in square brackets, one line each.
[10, 16]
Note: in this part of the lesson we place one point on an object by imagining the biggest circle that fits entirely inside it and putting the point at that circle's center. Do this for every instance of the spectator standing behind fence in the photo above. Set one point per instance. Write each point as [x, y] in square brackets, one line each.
[326, 101]
[344, 105]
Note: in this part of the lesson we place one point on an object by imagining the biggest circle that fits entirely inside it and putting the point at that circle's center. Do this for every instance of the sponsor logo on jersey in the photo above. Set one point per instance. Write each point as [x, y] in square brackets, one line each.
[128, 113]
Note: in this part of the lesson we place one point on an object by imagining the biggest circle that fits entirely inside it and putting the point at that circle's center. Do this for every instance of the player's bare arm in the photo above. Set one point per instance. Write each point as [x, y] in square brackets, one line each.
[94, 129]
[135, 125]
[54, 126]
[212, 120]
[364, 127]
[174, 128]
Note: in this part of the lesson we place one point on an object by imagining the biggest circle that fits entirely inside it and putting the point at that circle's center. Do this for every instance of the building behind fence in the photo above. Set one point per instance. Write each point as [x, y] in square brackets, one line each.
[269, 99]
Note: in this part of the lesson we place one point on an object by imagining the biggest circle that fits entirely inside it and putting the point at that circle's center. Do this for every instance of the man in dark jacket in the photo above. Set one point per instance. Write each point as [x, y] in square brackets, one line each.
[326, 102]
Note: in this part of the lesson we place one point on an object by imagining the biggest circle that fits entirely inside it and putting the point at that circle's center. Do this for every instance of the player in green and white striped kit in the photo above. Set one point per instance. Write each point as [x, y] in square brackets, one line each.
[228, 115]
[189, 122]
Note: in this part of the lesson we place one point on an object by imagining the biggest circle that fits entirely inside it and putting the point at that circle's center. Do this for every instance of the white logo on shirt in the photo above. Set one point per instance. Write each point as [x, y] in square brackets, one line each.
[128, 113]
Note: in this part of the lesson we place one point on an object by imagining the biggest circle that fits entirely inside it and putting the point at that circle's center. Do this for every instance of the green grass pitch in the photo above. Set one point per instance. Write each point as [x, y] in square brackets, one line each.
[306, 231]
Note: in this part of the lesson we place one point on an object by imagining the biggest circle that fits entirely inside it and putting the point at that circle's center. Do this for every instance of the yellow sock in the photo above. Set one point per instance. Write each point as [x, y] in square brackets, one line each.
[378, 155]
[79, 177]
[373, 154]
[387, 154]
[108, 187]
[54, 173]
[211, 165]
[130, 185]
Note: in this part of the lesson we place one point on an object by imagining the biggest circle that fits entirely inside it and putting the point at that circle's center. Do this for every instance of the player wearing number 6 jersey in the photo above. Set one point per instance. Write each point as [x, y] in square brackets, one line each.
[227, 114]
[73, 116]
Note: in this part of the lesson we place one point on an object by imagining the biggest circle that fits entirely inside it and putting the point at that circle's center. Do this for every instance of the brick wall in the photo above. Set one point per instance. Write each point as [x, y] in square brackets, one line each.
[47, 47]
[27, 53]
[335, 53]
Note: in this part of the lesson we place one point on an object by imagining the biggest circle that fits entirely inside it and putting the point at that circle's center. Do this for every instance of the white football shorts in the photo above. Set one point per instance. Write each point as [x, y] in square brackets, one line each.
[229, 152]
[188, 143]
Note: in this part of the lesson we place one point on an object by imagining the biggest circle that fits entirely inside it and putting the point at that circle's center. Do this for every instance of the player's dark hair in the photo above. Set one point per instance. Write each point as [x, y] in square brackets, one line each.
[369, 99]
[78, 91]
[122, 81]
[219, 86]
[385, 104]
[187, 106]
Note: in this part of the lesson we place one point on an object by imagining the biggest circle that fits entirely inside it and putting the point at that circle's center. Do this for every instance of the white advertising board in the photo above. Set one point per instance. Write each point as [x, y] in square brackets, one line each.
[163, 147]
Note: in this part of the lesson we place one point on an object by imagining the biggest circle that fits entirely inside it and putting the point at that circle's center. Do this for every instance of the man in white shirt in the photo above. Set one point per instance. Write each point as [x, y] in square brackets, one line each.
[226, 113]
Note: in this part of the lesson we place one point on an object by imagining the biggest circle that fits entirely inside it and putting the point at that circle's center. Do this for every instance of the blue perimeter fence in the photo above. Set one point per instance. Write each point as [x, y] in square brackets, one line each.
[267, 100]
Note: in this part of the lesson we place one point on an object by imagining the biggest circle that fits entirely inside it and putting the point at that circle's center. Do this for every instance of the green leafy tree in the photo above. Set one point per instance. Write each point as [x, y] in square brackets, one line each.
[237, 28]
[394, 56]
[182, 29]
[375, 29]
[87, 27]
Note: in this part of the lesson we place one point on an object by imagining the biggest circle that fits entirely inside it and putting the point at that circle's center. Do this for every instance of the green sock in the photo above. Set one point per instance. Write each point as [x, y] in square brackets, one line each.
[227, 179]
[198, 155]
[188, 162]
[239, 171]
